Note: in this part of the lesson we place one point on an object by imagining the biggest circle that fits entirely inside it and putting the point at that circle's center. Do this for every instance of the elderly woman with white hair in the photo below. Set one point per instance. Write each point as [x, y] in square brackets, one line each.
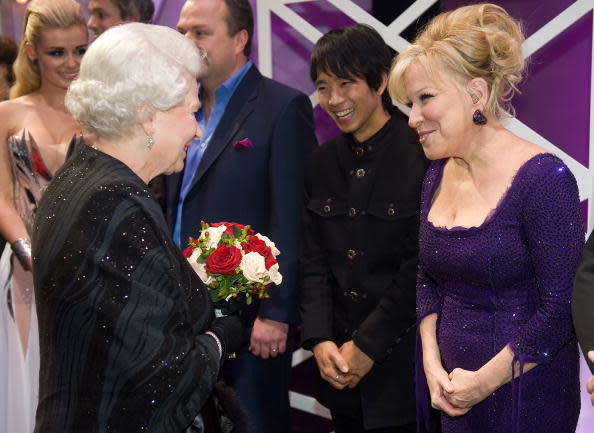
[129, 342]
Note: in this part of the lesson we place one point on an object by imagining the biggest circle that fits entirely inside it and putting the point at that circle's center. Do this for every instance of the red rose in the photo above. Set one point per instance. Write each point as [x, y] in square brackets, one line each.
[259, 246]
[270, 260]
[223, 260]
[230, 226]
[188, 251]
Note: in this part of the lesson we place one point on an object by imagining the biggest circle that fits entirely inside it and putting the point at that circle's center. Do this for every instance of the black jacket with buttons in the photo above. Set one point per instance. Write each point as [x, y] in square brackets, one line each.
[359, 264]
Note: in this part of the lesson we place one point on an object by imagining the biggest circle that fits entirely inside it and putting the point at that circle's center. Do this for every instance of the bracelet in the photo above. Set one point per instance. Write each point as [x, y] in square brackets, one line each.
[216, 339]
[22, 249]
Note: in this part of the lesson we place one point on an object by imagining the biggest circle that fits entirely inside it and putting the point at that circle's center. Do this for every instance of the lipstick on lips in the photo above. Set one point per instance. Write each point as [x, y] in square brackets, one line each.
[423, 135]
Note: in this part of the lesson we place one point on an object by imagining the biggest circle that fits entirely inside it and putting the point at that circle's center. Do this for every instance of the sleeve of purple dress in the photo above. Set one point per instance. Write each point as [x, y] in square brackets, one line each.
[428, 298]
[554, 233]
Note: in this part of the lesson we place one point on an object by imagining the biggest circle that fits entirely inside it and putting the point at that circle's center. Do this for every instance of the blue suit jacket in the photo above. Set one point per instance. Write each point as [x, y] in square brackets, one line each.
[261, 186]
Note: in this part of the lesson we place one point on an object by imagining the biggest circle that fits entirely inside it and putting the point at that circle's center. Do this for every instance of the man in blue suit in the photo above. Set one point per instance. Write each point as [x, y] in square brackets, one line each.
[247, 168]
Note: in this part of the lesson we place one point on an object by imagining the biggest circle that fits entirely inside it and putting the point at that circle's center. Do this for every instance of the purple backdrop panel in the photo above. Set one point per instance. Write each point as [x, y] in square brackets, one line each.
[322, 15]
[555, 99]
[295, 49]
[167, 12]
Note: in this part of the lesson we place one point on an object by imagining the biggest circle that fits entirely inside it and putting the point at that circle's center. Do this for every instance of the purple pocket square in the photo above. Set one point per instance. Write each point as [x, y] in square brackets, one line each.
[246, 143]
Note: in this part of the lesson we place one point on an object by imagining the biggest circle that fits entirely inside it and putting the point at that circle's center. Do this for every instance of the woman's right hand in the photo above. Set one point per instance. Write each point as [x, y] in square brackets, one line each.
[439, 384]
[437, 378]
[230, 333]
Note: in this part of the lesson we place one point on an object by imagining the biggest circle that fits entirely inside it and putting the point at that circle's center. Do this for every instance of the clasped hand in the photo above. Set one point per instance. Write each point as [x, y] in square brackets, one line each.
[342, 367]
[455, 393]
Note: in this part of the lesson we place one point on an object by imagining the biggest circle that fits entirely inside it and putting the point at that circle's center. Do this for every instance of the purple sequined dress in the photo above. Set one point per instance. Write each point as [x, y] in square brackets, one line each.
[508, 282]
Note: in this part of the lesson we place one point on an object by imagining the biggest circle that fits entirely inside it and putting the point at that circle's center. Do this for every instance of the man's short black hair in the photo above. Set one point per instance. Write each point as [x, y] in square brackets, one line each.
[240, 17]
[354, 52]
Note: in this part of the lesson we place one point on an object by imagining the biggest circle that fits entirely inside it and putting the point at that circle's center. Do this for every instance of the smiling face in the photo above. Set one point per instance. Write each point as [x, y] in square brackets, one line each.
[441, 113]
[353, 105]
[59, 53]
[204, 22]
[103, 14]
[174, 131]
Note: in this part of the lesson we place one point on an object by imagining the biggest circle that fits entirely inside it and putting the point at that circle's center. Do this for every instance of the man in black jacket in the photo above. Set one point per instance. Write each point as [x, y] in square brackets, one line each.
[359, 250]
[583, 307]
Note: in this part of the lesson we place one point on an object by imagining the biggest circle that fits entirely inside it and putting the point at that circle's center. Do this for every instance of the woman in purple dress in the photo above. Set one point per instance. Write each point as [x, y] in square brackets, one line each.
[501, 235]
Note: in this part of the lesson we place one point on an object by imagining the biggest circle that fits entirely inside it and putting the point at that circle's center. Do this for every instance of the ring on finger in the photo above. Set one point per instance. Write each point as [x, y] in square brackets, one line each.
[337, 377]
[274, 350]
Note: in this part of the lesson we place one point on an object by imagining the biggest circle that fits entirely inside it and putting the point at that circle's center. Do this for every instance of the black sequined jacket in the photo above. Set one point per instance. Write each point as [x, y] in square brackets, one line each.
[359, 264]
[121, 312]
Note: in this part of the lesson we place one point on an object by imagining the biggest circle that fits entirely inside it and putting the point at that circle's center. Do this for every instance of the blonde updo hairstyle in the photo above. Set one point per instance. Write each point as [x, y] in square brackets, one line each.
[41, 15]
[128, 73]
[478, 41]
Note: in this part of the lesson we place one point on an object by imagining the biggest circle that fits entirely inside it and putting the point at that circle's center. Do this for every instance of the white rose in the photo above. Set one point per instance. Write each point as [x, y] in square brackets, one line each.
[200, 269]
[275, 275]
[253, 267]
[214, 236]
[195, 254]
[270, 244]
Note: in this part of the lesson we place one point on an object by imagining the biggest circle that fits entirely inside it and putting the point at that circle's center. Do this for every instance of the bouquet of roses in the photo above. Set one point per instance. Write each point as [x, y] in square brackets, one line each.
[234, 261]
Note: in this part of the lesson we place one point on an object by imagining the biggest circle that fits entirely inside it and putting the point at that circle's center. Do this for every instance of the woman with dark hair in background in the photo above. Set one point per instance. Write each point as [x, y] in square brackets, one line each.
[35, 134]
[500, 239]
[104, 14]
[8, 54]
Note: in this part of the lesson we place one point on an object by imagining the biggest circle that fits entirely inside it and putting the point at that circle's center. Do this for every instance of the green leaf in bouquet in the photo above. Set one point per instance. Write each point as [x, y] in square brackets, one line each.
[235, 280]
[237, 232]
[201, 259]
[248, 299]
[223, 283]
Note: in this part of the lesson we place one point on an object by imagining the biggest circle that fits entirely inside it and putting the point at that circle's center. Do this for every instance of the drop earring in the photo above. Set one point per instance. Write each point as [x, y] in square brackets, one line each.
[478, 117]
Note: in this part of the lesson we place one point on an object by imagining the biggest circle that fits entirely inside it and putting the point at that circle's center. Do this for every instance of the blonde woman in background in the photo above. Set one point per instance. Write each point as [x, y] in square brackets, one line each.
[500, 239]
[35, 133]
